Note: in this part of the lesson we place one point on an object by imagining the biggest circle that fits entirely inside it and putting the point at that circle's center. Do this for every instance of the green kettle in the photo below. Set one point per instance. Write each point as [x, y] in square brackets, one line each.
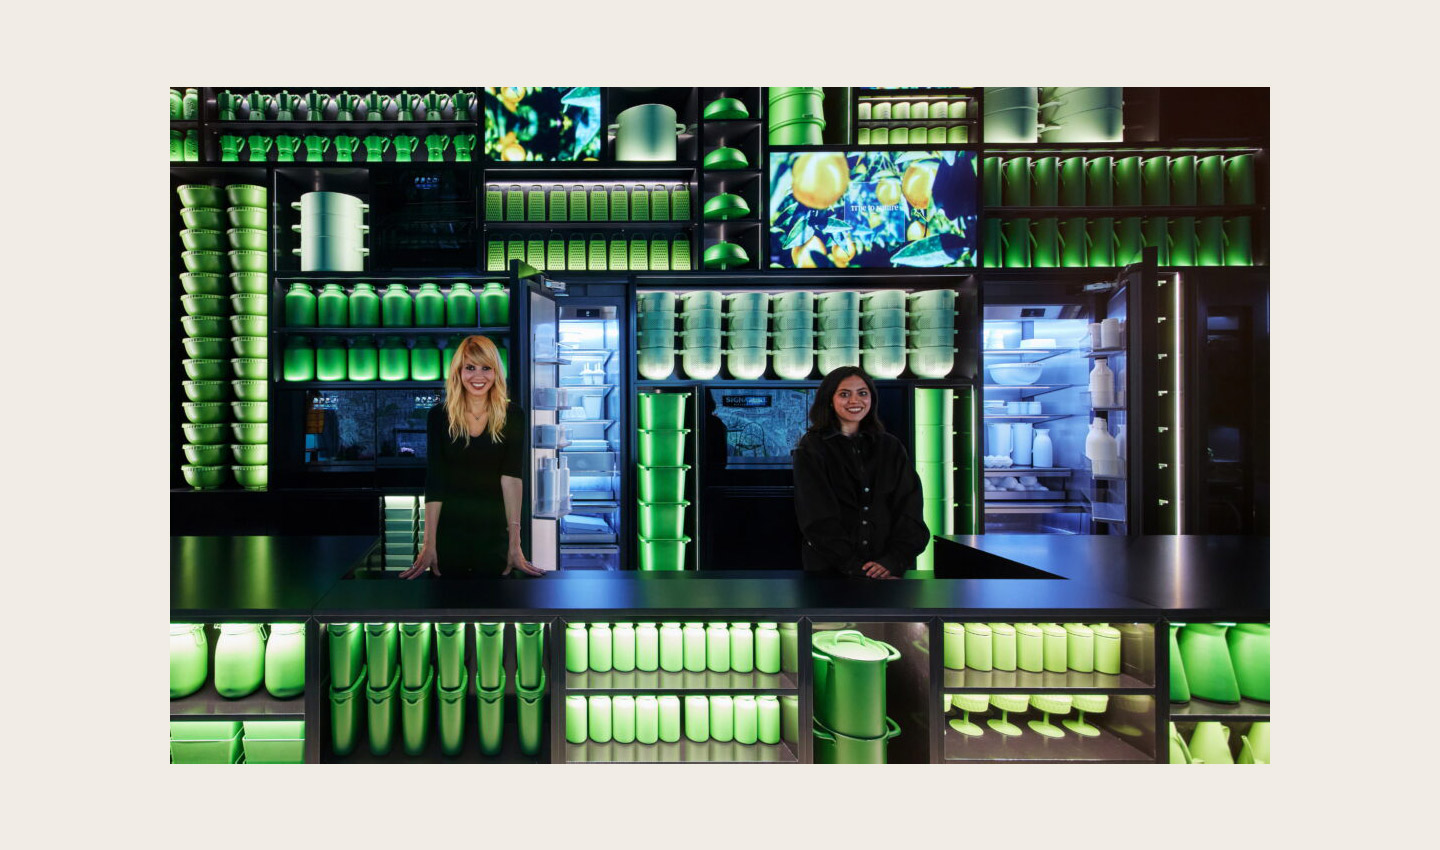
[1210, 743]
[1179, 753]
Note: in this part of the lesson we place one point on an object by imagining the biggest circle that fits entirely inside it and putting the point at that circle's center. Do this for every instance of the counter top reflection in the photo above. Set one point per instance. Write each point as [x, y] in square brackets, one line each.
[270, 575]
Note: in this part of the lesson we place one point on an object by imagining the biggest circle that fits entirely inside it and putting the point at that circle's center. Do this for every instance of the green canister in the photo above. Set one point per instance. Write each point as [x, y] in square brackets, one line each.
[394, 360]
[672, 648]
[722, 718]
[746, 720]
[493, 305]
[598, 719]
[978, 646]
[697, 718]
[767, 722]
[600, 646]
[622, 647]
[300, 308]
[668, 708]
[717, 648]
[647, 647]
[364, 306]
[767, 648]
[299, 362]
[1107, 649]
[695, 648]
[334, 306]
[1080, 647]
[1055, 647]
[285, 660]
[330, 359]
[1002, 646]
[189, 658]
[622, 719]
[461, 308]
[647, 719]
[239, 659]
[954, 642]
[364, 360]
[1030, 647]
[577, 727]
[397, 308]
[425, 361]
[429, 306]
[577, 654]
[742, 648]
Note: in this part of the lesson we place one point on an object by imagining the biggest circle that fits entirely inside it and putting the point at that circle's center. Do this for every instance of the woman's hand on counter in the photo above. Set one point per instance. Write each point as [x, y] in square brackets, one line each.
[516, 560]
[424, 561]
[875, 570]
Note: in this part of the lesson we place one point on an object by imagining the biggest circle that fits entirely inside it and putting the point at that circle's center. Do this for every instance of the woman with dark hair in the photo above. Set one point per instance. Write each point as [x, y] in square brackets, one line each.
[857, 495]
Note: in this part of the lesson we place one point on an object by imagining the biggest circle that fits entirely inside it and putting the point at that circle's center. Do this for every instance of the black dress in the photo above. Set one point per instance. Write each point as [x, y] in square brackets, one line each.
[857, 499]
[472, 539]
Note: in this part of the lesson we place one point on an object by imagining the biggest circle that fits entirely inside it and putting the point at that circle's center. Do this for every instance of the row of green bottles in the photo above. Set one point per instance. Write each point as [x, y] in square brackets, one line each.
[595, 203]
[397, 308]
[656, 253]
[366, 359]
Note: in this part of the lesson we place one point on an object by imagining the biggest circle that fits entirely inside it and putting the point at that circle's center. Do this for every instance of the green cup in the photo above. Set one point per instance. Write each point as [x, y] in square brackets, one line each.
[1240, 179]
[1157, 236]
[315, 105]
[1045, 181]
[375, 147]
[1074, 240]
[1072, 181]
[315, 147]
[260, 147]
[1155, 181]
[1129, 239]
[345, 147]
[1016, 191]
[285, 147]
[1183, 191]
[1015, 233]
[230, 147]
[1238, 247]
[435, 146]
[1100, 188]
[993, 178]
[1210, 241]
[1182, 241]
[1102, 242]
[1127, 181]
[1045, 235]
[1209, 176]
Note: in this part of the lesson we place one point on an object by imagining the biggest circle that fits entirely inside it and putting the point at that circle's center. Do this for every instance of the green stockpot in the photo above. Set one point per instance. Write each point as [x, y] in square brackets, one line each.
[662, 483]
[415, 642]
[461, 308]
[452, 718]
[364, 306]
[363, 360]
[239, 659]
[345, 705]
[394, 360]
[381, 708]
[429, 306]
[397, 307]
[850, 682]
[489, 655]
[347, 654]
[529, 655]
[1249, 645]
[415, 712]
[425, 361]
[189, 658]
[330, 359]
[531, 709]
[834, 748]
[493, 304]
[333, 306]
[449, 655]
[285, 660]
[490, 703]
[663, 410]
[382, 653]
[299, 362]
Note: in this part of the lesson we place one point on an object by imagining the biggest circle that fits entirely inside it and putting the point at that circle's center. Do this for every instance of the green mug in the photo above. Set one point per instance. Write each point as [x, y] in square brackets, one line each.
[406, 103]
[1102, 241]
[1072, 181]
[1210, 178]
[1045, 181]
[345, 147]
[230, 148]
[285, 104]
[1182, 181]
[315, 105]
[405, 146]
[258, 103]
[1015, 233]
[1100, 189]
[461, 101]
[1129, 240]
[1017, 182]
[435, 146]
[1127, 181]
[192, 145]
[464, 144]
[260, 147]
[1240, 179]
[1074, 239]
[227, 103]
[1155, 181]
[1157, 236]
[1210, 241]
[1046, 249]
[435, 106]
[285, 147]
[345, 106]
[375, 106]
[177, 146]
[993, 248]
[315, 148]
[375, 147]
[992, 179]
[1182, 240]
[1238, 248]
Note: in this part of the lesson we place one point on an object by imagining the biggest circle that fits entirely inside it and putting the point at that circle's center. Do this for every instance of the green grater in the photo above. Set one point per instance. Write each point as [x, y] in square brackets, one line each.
[555, 255]
[514, 250]
[659, 254]
[597, 253]
[640, 204]
[495, 256]
[660, 204]
[575, 255]
[680, 254]
[619, 204]
[559, 208]
[515, 204]
[617, 255]
[494, 204]
[535, 253]
[535, 204]
[680, 203]
[599, 203]
[639, 255]
[578, 207]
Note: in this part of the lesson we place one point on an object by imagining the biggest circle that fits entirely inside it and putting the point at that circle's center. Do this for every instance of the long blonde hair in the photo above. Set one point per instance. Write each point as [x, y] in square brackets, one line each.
[482, 352]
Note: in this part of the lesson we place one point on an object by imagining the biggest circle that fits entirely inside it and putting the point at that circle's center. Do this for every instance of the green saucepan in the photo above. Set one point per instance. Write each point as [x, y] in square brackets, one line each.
[203, 284]
[245, 304]
[200, 195]
[204, 413]
[203, 240]
[725, 108]
[207, 348]
[249, 455]
[249, 369]
[251, 390]
[246, 195]
[251, 477]
[203, 477]
[249, 283]
[248, 218]
[251, 433]
[850, 682]
[205, 434]
[249, 239]
[203, 218]
[203, 455]
[251, 412]
[725, 206]
[210, 262]
[725, 159]
[206, 390]
[248, 261]
[211, 326]
[205, 305]
[211, 369]
[248, 325]
[251, 346]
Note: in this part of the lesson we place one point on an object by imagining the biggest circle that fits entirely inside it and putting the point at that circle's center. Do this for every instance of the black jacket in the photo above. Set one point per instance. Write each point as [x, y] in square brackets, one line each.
[858, 499]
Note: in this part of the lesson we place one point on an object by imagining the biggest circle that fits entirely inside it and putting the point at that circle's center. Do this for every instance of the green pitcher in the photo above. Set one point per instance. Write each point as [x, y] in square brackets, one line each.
[435, 146]
[405, 146]
[315, 147]
[345, 147]
[260, 148]
[230, 148]
[435, 106]
[285, 104]
[464, 144]
[258, 104]
[375, 106]
[315, 105]
[345, 106]
[375, 148]
[285, 147]
[405, 104]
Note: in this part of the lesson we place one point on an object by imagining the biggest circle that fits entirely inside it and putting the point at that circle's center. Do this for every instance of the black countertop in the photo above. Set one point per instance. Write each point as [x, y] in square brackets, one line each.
[285, 575]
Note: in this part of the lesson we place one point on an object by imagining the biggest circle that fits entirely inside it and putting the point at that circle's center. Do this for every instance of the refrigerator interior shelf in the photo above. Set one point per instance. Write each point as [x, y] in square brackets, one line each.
[1024, 507]
[1106, 352]
[1108, 477]
[1028, 390]
[606, 422]
[587, 538]
[606, 387]
[1020, 495]
[1110, 407]
[1025, 355]
[1041, 471]
[1019, 417]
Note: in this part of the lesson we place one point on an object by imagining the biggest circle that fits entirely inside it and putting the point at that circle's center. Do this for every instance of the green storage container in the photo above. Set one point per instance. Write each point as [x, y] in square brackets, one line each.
[662, 554]
[663, 410]
[364, 306]
[300, 306]
[397, 308]
[491, 705]
[493, 304]
[205, 741]
[333, 307]
[415, 712]
[381, 708]
[189, 658]
[489, 655]
[461, 308]
[529, 655]
[429, 306]
[425, 361]
[239, 659]
[833, 748]
[452, 717]
[331, 359]
[363, 360]
[274, 741]
[299, 364]
[394, 360]
[382, 653]
[449, 655]
[662, 520]
[531, 709]
[415, 641]
[347, 654]
[285, 660]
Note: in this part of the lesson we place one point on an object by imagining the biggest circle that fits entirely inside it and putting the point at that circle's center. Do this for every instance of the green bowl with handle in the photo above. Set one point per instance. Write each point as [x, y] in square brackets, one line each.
[205, 305]
[206, 369]
[249, 368]
[201, 195]
[249, 305]
[203, 218]
[204, 284]
[251, 477]
[250, 455]
[249, 218]
[207, 348]
[205, 434]
[249, 239]
[203, 477]
[210, 262]
[211, 326]
[206, 391]
[248, 261]
[251, 390]
[205, 455]
[725, 159]
[203, 240]
[251, 346]
[251, 433]
[249, 325]
[248, 283]
[246, 195]
[250, 412]
[204, 413]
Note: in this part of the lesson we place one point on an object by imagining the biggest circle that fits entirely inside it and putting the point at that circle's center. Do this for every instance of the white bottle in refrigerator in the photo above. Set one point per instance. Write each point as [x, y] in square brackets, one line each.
[1101, 449]
[1120, 443]
[1102, 384]
[1042, 451]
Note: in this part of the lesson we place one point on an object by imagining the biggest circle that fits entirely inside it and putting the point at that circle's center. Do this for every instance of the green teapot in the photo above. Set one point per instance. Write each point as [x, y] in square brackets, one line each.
[375, 106]
[435, 146]
[405, 146]
[345, 106]
[464, 144]
[315, 104]
[285, 104]
[258, 105]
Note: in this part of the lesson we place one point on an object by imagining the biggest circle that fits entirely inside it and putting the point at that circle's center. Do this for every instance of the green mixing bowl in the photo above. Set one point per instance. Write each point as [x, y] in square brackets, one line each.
[203, 240]
[724, 255]
[204, 413]
[249, 283]
[206, 390]
[251, 477]
[203, 284]
[200, 195]
[248, 239]
[248, 261]
[250, 368]
[210, 262]
[246, 195]
[252, 412]
[257, 347]
[205, 305]
[249, 305]
[211, 455]
[249, 218]
[203, 477]
[251, 390]
[249, 455]
[251, 433]
[249, 325]
[724, 206]
[206, 370]
[203, 218]
[207, 348]
[205, 435]
[204, 326]
[725, 159]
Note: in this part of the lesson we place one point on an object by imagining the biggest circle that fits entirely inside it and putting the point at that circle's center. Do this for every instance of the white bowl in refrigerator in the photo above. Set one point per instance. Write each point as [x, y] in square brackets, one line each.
[1016, 374]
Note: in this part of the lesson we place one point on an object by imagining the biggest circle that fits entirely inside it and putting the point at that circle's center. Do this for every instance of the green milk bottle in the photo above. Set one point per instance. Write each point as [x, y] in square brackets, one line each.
[494, 305]
[300, 306]
[330, 359]
[461, 308]
[364, 306]
[429, 306]
[397, 308]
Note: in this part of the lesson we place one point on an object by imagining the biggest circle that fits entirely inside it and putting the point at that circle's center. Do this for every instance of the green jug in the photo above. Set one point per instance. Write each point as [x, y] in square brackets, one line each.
[345, 106]
[493, 305]
[299, 359]
[364, 306]
[425, 361]
[285, 104]
[239, 659]
[363, 360]
[330, 363]
[394, 360]
[461, 308]
[429, 306]
[300, 306]
[397, 308]
[1208, 668]
[285, 660]
[333, 310]
[464, 144]
[1210, 743]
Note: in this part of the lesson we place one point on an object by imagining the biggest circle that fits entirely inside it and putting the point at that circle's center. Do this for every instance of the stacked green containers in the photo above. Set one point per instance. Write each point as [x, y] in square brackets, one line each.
[1035, 647]
[882, 319]
[851, 726]
[793, 314]
[655, 354]
[530, 685]
[839, 335]
[796, 115]
[662, 472]
[490, 685]
[931, 319]
[935, 464]
[746, 343]
[700, 317]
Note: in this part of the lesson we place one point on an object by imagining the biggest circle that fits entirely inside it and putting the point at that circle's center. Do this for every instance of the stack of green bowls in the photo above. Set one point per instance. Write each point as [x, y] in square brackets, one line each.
[839, 345]
[655, 320]
[249, 214]
[932, 332]
[796, 115]
[793, 316]
[207, 334]
[935, 463]
[1081, 114]
[662, 468]
[882, 319]
[700, 356]
[748, 317]
[1012, 115]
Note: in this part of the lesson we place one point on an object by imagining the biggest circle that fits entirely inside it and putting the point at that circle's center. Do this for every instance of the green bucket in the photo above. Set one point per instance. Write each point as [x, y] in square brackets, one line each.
[489, 655]
[449, 655]
[491, 705]
[529, 655]
[662, 554]
[531, 709]
[345, 706]
[662, 483]
[382, 653]
[452, 718]
[663, 410]
[415, 640]
[205, 742]
[663, 519]
[415, 714]
[663, 447]
[381, 706]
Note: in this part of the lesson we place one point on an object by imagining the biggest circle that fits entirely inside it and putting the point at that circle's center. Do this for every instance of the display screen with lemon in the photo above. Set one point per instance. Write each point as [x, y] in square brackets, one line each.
[894, 209]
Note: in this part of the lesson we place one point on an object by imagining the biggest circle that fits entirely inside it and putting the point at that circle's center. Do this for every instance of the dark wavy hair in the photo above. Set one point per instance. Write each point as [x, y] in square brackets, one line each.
[822, 411]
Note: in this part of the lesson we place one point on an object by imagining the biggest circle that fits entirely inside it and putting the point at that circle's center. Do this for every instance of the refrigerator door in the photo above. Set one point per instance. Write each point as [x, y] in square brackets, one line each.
[549, 493]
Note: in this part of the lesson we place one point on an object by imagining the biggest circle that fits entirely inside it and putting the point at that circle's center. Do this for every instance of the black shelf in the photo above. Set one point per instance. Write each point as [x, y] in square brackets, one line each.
[501, 330]
[532, 227]
[360, 385]
[400, 275]
[683, 751]
[1022, 682]
[1030, 746]
[1125, 211]
[226, 127]
[660, 682]
[207, 704]
[1112, 148]
[1199, 709]
[511, 171]
[926, 383]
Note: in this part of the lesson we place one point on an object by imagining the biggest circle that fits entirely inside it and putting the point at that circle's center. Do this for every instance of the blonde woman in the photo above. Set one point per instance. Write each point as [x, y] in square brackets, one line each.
[475, 443]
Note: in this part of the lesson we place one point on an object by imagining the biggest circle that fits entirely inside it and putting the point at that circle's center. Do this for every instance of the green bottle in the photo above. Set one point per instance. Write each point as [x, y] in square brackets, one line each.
[364, 360]
[364, 306]
[461, 309]
[397, 308]
[425, 361]
[334, 306]
[394, 360]
[429, 306]
[494, 305]
[330, 359]
[300, 306]
[299, 359]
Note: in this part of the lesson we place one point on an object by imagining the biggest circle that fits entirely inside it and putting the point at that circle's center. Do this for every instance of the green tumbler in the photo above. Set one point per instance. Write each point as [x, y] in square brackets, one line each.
[452, 718]
[382, 653]
[381, 708]
[531, 709]
[415, 711]
[345, 706]
[449, 655]
[491, 705]
[347, 654]
[529, 655]
[489, 655]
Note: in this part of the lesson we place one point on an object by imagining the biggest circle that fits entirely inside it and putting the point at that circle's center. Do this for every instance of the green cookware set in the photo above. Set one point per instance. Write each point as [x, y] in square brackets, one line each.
[237, 741]
[673, 647]
[1034, 647]
[661, 464]
[1217, 742]
[405, 668]
[226, 254]
[851, 725]
[244, 659]
[344, 106]
[942, 119]
[300, 146]
[1219, 662]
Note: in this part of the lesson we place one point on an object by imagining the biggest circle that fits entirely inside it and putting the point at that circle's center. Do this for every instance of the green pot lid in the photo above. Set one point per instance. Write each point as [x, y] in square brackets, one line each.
[723, 158]
[851, 646]
[726, 205]
[725, 108]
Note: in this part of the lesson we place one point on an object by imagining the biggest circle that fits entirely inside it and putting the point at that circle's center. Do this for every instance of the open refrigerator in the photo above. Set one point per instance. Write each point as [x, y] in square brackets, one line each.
[589, 341]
